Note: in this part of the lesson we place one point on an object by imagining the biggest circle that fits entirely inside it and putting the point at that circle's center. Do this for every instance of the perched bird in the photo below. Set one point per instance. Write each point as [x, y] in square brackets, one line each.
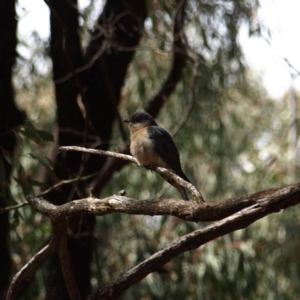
[153, 146]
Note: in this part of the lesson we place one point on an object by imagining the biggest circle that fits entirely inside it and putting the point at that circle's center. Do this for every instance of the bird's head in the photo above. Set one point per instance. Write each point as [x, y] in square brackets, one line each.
[139, 120]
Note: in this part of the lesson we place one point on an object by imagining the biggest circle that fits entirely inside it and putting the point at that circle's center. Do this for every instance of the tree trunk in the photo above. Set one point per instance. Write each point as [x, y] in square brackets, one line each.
[98, 86]
[10, 117]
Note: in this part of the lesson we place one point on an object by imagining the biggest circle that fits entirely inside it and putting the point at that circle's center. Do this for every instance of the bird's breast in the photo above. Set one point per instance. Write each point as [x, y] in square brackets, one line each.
[143, 149]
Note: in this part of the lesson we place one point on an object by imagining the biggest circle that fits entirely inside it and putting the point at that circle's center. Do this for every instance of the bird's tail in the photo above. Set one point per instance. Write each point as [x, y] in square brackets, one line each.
[178, 187]
[181, 189]
[183, 193]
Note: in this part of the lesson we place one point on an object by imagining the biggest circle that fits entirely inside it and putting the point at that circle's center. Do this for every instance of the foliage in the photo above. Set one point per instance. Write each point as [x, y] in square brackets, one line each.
[233, 142]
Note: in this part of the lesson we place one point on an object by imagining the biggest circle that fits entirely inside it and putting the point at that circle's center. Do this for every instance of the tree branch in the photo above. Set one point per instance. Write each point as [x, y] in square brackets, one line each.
[162, 171]
[20, 280]
[238, 213]
[186, 210]
[58, 242]
[188, 242]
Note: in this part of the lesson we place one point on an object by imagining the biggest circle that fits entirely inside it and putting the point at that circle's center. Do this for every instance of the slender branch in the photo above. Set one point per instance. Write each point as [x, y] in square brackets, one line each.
[64, 182]
[55, 186]
[58, 242]
[161, 171]
[13, 207]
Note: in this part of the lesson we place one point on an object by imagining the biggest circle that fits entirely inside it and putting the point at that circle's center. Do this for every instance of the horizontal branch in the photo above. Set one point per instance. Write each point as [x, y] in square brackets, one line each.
[159, 170]
[186, 210]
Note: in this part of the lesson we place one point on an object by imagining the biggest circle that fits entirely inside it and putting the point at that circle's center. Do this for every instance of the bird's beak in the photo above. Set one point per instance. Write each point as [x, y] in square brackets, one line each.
[126, 121]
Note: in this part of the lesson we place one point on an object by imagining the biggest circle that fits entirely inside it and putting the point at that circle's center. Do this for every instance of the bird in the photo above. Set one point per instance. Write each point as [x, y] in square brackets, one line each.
[153, 146]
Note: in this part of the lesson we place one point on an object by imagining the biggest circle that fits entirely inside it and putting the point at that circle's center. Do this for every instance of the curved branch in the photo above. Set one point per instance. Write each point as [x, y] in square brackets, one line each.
[58, 242]
[161, 171]
[238, 213]
[26, 274]
[188, 242]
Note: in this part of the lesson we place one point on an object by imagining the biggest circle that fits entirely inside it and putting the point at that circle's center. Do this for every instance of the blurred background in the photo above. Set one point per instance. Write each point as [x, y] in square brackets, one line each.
[77, 69]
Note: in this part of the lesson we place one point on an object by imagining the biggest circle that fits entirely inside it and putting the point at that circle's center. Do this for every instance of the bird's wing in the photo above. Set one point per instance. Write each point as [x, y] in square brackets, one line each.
[166, 149]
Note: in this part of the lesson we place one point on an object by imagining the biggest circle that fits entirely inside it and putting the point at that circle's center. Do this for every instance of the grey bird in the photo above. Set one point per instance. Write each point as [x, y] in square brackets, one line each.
[153, 146]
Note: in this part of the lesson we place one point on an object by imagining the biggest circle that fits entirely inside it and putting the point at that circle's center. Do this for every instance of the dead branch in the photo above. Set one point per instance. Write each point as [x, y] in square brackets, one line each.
[161, 171]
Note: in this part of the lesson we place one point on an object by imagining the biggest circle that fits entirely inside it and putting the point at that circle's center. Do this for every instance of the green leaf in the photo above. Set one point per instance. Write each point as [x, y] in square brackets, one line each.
[7, 156]
[31, 134]
[36, 135]
[45, 161]
[45, 135]
[2, 172]
[37, 183]
[23, 181]
[16, 217]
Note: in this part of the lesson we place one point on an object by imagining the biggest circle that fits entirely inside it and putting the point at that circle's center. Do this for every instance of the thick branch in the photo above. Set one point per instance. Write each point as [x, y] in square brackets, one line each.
[188, 242]
[278, 199]
[161, 171]
[239, 213]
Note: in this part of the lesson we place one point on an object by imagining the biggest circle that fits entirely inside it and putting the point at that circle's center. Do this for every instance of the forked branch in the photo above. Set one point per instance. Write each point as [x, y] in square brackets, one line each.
[233, 214]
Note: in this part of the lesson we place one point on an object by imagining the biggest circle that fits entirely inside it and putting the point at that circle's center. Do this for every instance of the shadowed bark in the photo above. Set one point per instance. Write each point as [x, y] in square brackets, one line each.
[10, 118]
[97, 86]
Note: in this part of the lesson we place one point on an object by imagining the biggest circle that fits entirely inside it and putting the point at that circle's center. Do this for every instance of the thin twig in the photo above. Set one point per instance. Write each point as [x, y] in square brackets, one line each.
[68, 181]
[281, 57]
[57, 185]
[13, 207]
